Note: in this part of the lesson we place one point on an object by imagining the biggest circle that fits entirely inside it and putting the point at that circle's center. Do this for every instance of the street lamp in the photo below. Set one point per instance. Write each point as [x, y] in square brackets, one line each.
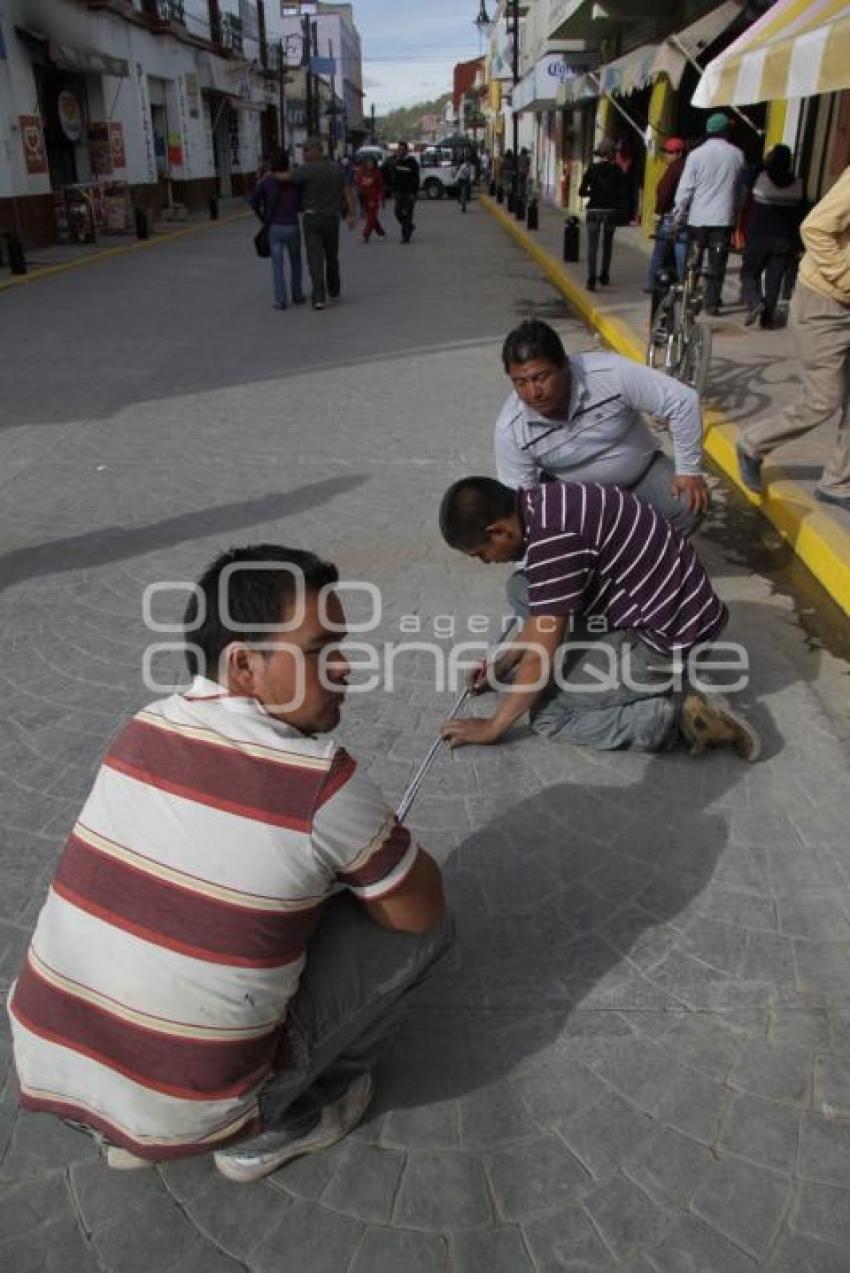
[483, 20]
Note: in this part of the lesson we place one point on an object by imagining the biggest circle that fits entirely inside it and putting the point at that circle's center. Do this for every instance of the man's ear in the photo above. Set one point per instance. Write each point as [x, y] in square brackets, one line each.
[237, 667]
[499, 530]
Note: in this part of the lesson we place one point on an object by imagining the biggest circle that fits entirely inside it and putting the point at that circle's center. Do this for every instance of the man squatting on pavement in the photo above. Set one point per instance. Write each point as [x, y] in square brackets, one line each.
[237, 915]
[596, 558]
[580, 419]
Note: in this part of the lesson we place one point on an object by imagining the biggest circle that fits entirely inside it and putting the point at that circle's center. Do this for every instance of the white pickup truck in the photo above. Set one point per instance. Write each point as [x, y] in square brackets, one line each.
[437, 172]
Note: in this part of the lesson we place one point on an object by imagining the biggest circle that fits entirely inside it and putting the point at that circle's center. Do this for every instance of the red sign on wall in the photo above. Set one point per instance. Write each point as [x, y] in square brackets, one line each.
[32, 139]
[116, 145]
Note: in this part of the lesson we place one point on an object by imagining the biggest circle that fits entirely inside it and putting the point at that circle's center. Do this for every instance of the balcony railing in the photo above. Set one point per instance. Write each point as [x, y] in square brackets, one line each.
[231, 32]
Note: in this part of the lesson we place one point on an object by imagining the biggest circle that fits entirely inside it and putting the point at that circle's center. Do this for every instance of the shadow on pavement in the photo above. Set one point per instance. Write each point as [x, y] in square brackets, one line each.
[117, 543]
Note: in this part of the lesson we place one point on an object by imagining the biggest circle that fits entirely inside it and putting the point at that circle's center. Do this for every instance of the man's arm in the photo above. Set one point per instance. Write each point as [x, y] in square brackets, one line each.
[679, 407]
[541, 636]
[418, 902]
[514, 466]
[685, 189]
[820, 232]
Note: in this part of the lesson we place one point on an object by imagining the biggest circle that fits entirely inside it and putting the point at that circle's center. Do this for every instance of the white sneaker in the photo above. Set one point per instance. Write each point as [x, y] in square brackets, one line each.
[265, 1153]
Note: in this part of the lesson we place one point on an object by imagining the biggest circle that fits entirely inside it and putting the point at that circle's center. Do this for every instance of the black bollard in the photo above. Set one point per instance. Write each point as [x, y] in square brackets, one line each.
[15, 253]
[510, 201]
[213, 207]
[492, 189]
[141, 218]
[571, 239]
[532, 216]
[519, 208]
[500, 194]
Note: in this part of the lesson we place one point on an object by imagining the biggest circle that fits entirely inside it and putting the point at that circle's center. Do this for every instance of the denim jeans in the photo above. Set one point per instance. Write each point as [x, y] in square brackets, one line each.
[321, 239]
[605, 221]
[661, 249]
[349, 1001]
[641, 716]
[711, 245]
[286, 239]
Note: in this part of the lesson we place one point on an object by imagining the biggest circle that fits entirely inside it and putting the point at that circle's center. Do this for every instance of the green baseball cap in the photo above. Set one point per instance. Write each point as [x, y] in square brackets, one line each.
[717, 123]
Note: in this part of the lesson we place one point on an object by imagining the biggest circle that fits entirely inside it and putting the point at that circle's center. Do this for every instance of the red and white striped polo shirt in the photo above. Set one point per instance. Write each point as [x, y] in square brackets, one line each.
[152, 1002]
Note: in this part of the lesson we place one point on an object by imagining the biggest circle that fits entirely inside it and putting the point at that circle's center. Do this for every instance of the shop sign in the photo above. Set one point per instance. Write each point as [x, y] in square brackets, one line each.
[502, 53]
[100, 151]
[116, 144]
[70, 114]
[175, 150]
[193, 95]
[32, 139]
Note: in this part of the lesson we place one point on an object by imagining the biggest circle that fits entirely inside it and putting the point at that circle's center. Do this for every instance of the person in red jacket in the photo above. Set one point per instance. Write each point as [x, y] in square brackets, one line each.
[370, 185]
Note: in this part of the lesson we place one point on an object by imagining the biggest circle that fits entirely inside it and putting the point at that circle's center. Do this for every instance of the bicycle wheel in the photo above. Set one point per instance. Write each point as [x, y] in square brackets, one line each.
[659, 335]
[697, 359]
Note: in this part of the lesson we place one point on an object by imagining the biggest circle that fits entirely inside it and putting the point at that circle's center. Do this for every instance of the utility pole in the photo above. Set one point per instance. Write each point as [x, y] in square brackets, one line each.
[281, 87]
[306, 55]
[515, 72]
[332, 111]
[372, 137]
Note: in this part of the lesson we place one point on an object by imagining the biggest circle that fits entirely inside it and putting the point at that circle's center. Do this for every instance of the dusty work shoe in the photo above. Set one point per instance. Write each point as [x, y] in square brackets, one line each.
[749, 467]
[263, 1154]
[710, 722]
[122, 1160]
[840, 501]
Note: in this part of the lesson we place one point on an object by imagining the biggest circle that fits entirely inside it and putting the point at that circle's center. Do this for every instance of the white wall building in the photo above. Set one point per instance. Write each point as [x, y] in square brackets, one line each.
[152, 103]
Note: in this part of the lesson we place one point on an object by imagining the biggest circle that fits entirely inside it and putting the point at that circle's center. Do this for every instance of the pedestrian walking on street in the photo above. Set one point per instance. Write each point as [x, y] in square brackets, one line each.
[370, 187]
[508, 173]
[667, 234]
[605, 187]
[773, 235]
[523, 172]
[464, 175]
[582, 419]
[277, 203]
[405, 189]
[238, 916]
[324, 190]
[819, 320]
[707, 201]
[607, 586]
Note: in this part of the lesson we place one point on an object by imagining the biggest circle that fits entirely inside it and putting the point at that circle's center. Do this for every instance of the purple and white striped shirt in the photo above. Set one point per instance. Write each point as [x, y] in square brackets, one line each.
[599, 550]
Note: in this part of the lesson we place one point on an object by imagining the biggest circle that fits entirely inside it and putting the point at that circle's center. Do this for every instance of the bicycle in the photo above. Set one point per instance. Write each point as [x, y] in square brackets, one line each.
[679, 343]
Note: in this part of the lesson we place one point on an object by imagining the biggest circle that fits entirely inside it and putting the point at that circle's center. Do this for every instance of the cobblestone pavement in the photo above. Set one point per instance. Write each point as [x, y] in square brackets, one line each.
[637, 1056]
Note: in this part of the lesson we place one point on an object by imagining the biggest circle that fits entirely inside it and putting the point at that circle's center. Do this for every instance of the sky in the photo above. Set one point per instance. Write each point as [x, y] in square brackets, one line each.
[411, 46]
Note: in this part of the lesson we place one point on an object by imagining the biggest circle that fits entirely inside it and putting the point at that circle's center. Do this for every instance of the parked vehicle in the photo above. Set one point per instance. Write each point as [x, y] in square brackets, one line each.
[437, 173]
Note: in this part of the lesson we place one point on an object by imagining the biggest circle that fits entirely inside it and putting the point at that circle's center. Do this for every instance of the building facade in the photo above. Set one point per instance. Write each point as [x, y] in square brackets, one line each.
[336, 55]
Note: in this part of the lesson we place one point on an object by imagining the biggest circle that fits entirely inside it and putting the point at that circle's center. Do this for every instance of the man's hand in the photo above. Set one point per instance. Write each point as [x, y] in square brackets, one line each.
[693, 491]
[473, 729]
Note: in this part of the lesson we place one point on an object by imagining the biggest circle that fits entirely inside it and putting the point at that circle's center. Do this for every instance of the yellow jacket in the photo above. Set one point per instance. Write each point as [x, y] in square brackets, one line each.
[825, 268]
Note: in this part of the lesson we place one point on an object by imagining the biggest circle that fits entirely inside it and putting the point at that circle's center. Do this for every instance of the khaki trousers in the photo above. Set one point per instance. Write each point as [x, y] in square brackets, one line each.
[821, 330]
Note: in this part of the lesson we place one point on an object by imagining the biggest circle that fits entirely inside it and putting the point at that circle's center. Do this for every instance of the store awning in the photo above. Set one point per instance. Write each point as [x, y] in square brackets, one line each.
[539, 90]
[220, 76]
[797, 49]
[87, 61]
[669, 57]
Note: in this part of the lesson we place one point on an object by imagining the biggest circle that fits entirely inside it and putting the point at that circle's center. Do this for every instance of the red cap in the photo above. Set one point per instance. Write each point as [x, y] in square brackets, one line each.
[674, 146]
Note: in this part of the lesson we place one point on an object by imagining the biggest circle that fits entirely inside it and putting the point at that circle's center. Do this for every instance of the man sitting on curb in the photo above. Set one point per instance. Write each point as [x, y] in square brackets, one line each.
[237, 915]
[597, 561]
[579, 419]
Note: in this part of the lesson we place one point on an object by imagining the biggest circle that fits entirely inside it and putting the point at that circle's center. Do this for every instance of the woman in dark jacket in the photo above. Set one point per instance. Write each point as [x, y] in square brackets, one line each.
[773, 234]
[606, 189]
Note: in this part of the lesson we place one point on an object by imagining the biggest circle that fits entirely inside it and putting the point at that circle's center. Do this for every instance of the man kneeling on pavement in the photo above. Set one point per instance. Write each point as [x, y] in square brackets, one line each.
[237, 915]
[600, 567]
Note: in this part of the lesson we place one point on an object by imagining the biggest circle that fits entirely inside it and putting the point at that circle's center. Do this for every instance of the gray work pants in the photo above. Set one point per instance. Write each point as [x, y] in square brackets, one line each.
[349, 1001]
[643, 716]
[654, 489]
[821, 330]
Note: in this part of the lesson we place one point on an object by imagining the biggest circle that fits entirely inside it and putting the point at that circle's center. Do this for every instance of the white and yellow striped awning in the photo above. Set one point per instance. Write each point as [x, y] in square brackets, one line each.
[797, 49]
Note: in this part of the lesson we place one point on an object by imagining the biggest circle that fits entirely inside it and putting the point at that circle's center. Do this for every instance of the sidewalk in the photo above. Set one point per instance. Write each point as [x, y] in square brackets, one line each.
[47, 261]
[753, 374]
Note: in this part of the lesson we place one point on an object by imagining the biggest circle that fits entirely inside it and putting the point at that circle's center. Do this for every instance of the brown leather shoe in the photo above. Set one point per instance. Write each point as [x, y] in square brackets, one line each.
[709, 722]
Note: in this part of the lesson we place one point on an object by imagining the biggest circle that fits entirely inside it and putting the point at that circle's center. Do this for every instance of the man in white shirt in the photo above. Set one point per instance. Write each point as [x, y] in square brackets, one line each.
[707, 197]
[581, 419]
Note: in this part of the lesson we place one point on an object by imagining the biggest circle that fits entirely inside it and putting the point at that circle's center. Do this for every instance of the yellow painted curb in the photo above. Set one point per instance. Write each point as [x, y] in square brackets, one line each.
[105, 254]
[815, 537]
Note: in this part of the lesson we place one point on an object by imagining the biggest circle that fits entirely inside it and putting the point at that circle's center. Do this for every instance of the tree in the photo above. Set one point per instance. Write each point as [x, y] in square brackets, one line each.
[406, 122]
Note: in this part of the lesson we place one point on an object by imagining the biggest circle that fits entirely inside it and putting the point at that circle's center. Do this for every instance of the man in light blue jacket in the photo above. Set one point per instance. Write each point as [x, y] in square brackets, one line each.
[707, 198]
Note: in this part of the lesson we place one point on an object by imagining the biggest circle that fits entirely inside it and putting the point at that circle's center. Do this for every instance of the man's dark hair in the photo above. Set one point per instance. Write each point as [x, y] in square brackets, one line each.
[261, 596]
[280, 160]
[470, 506]
[533, 339]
